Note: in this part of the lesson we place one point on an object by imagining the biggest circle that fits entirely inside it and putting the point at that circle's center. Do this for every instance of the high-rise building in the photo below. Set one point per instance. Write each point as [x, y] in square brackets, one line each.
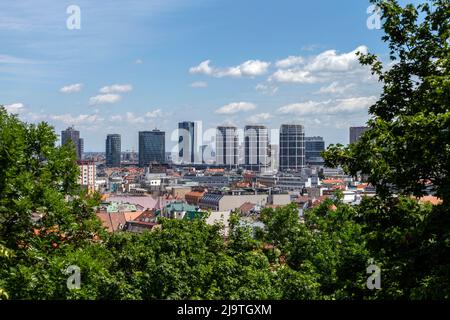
[113, 150]
[81, 148]
[314, 146]
[169, 157]
[152, 147]
[274, 157]
[227, 146]
[292, 147]
[87, 176]
[256, 140]
[70, 134]
[188, 147]
[356, 133]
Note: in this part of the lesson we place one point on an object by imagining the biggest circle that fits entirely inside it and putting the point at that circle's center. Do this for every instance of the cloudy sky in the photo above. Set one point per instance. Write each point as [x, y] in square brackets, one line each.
[145, 64]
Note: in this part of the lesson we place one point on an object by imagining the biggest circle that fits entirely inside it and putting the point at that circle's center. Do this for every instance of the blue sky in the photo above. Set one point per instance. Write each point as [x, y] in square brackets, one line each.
[137, 65]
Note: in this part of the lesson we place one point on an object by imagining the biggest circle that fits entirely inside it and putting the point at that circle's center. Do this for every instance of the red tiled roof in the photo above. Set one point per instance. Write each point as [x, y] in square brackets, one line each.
[146, 216]
[332, 181]
[247, 207]
[112, 221]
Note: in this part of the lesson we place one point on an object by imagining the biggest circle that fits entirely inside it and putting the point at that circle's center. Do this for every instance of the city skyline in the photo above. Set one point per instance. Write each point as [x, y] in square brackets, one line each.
[171, 61]
[312, 145]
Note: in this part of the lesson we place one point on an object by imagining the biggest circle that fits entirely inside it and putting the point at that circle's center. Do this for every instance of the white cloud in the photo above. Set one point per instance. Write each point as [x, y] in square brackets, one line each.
[199, 84]
[116, 118]
[129, 118]
[266, 89]
[338, 106]
[139, 61]
[331, 61]
[335, 88]
[293, 76]
[236, 107]
[253, 68]
[117, 88]
[154, 114]
[132, 118]
[104, 99]
[327, 66]
[69, 119]
[250, 68]
[15, 108]
[202, 68]
[290, 62]
[71, 88]
[258, 118]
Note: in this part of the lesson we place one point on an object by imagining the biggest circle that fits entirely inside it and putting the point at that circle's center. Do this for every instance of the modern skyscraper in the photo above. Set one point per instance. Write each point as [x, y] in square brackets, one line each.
[152, 147]
[70, 134]
[227, 146]
[81, 148]
[113, 150]
[256, 140]
[292, 147]
[314, 146]
[356, 133]
[188, 148]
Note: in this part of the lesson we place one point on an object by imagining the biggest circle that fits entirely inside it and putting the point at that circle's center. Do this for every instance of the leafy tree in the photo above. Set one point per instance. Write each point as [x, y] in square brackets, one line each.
[406, 149]
[406, 152]
[38, 180]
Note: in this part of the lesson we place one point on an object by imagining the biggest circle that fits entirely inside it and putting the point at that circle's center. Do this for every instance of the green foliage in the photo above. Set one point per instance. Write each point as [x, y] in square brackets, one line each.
[406, 153]
[407, 146]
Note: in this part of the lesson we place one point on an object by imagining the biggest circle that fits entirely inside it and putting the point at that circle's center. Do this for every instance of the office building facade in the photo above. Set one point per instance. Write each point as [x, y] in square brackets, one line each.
[314, 146]
[227, 146]
[152, 147]
[113, 150]
[188, 144]
[356, 133]
[292, 147]
[70, 134]
[256, 145]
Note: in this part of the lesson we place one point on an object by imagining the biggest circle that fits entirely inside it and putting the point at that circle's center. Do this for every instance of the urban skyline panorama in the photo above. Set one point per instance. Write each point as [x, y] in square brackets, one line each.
[229, 159]
[163, 64]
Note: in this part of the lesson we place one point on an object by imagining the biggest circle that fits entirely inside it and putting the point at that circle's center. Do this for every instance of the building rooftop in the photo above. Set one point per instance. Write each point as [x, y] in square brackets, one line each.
[146, 202]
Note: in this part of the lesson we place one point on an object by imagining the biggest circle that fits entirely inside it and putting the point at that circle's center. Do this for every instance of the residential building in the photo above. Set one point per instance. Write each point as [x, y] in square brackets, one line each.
[292, 147]
[223, 201]
[194, 197]
[178, 210]
[87, 175]
[214, 181]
